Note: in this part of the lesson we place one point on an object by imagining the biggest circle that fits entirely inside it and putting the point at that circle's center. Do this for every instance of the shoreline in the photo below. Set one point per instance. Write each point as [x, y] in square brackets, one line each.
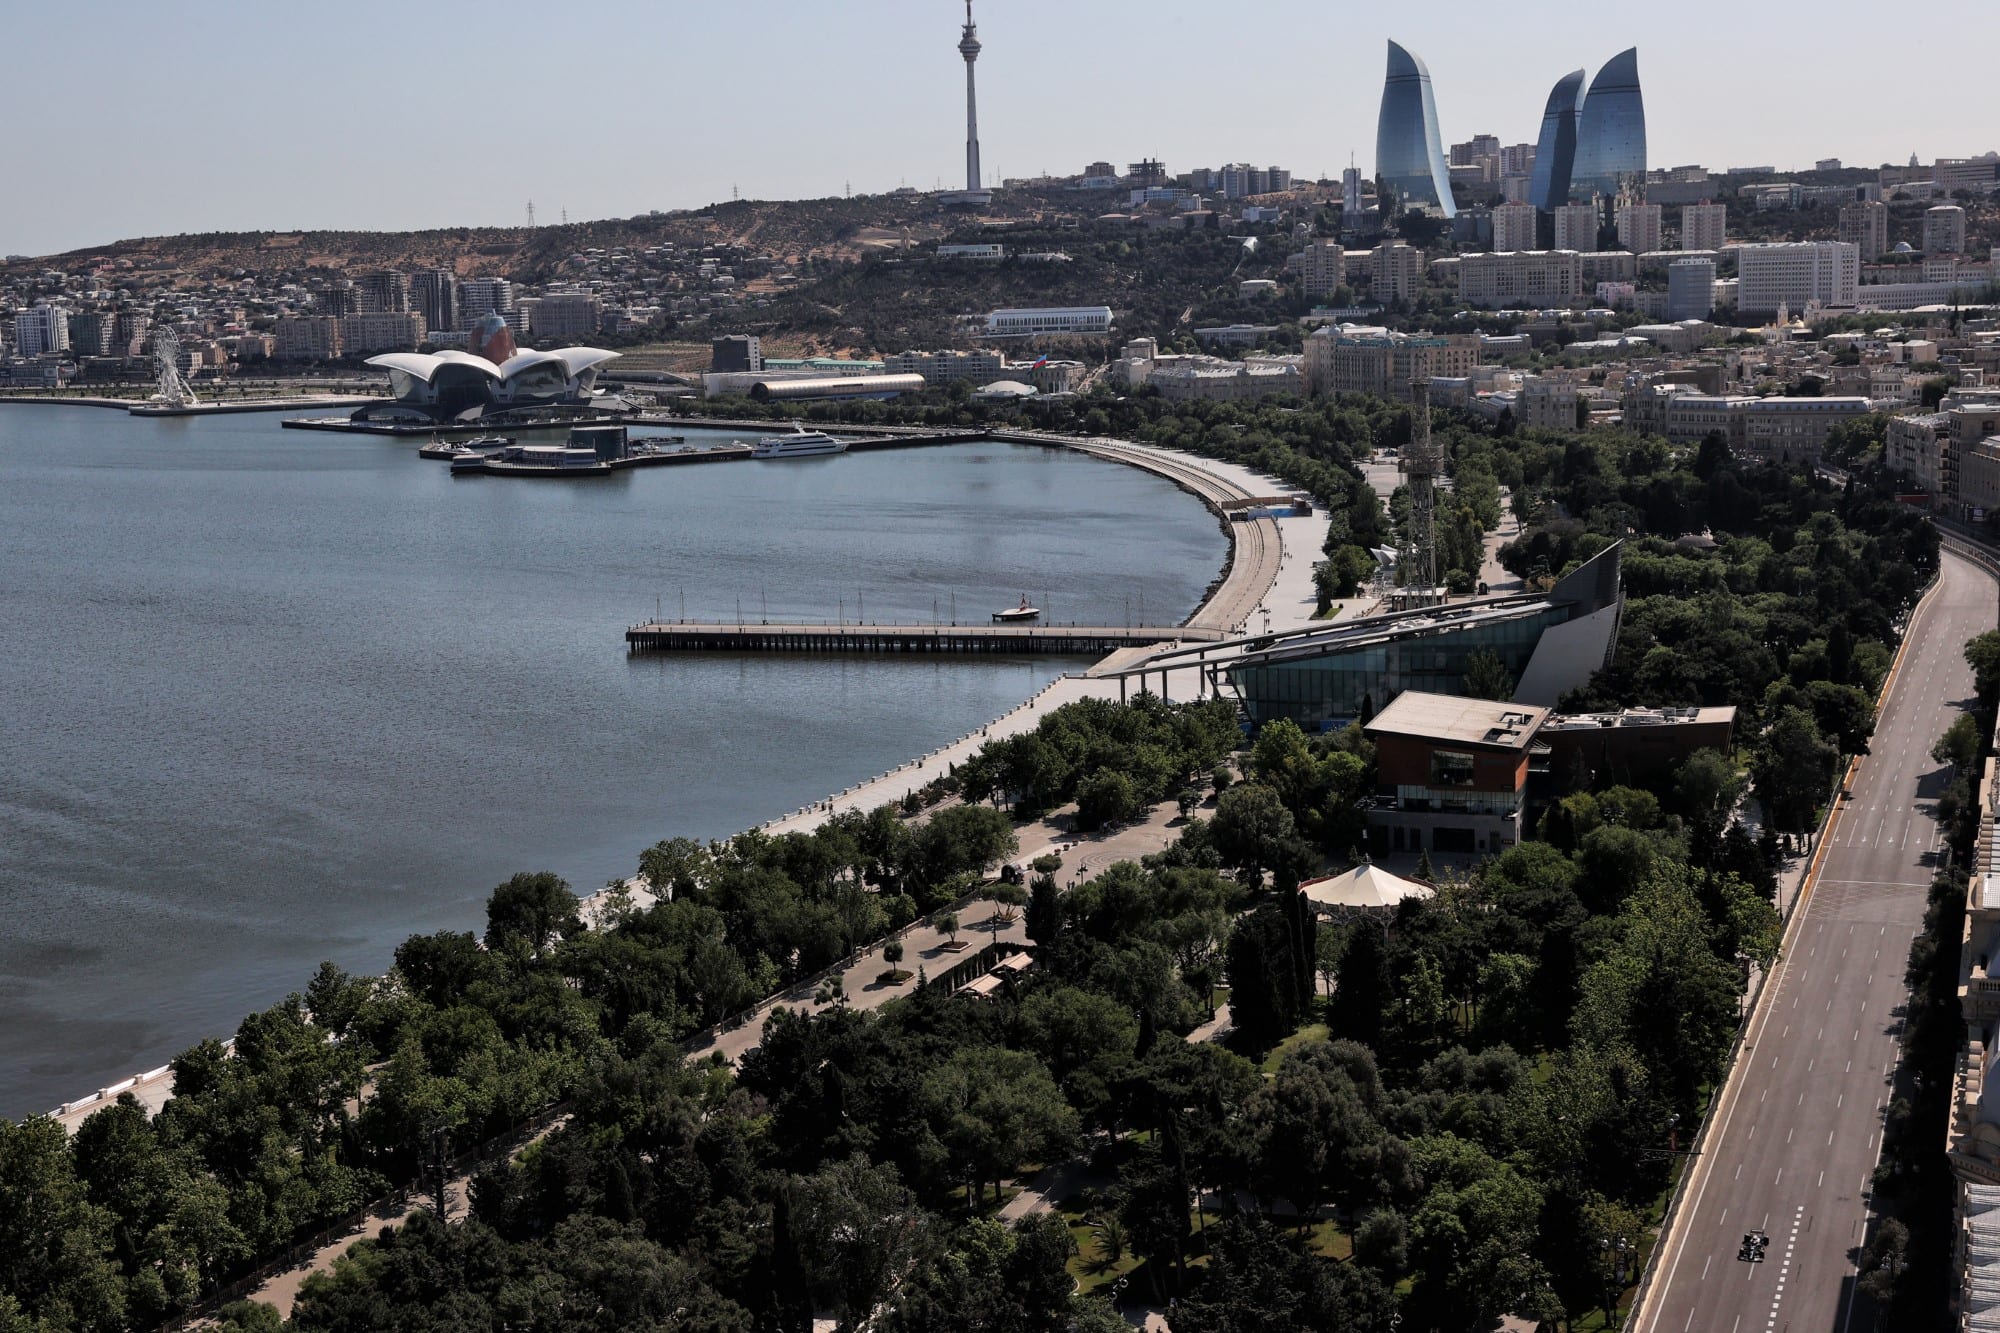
[1245, 583]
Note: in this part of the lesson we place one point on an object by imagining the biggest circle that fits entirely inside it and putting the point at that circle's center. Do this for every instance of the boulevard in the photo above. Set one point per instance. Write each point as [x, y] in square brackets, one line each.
[1798, 1127]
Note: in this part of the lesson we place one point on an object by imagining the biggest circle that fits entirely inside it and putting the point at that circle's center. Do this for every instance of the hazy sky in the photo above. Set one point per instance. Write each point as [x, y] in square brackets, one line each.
[146, 119]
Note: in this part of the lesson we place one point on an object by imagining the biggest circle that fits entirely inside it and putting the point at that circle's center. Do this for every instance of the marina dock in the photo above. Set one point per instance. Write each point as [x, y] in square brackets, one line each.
[1062, 640]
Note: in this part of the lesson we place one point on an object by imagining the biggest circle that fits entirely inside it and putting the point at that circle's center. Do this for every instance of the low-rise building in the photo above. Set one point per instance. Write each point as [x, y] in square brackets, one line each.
[980, 366]
[1181, 379]
[1452, 772]
[1347, 359]
[1545, 403]
[1041, 321]
[1634, 745]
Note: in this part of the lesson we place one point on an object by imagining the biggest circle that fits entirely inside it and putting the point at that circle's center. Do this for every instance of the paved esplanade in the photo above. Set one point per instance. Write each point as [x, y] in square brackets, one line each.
[1799, 1128]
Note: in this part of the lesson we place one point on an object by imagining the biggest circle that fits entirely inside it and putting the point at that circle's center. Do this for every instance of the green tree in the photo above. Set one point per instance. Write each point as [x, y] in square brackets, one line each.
[532, 910]
[1252, 830]
[1982, 654]
[1960, 745]
[1792, 770]
[1487, 677]
[1263, 1000]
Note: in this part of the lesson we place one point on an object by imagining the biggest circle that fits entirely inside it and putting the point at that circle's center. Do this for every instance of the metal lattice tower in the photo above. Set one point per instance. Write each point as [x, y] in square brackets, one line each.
[1420, 467]
[174, 390]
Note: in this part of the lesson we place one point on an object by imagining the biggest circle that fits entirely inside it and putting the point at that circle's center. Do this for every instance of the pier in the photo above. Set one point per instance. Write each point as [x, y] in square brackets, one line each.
[1061, 640]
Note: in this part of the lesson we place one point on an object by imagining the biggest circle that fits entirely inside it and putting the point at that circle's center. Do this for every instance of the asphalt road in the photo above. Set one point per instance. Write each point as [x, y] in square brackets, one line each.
[1801, 1115]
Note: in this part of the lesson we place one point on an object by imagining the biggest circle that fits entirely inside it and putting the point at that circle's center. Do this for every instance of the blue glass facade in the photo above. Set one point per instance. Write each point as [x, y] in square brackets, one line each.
[1409, 157]
[1322, 676]
[1555, 151]
[1611, 132]
[1341, 684]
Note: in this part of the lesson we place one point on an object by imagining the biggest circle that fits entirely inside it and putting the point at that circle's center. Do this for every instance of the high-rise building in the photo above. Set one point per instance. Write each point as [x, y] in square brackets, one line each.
[1703, 226]
[387, 292]
[566, 315]
[1514, 227]
[1409, 161]
[129, 331]
[1475, 149]
[434, 295]
[1555, 151]
[90, 333]
[41, 330]
[1395, 272]
[1944, 230]
[1576, 226]
[1865, 225]
[1639, 227]
[1350, 197]
[479, 297]
[1690, 289]
[1321, 266]
[337, 299]
[1795, 273]
[1610, 131]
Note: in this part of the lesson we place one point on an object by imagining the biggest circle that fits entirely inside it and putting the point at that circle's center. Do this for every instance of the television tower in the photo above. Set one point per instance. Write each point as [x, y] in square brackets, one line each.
[1420, 467]
[968, 46]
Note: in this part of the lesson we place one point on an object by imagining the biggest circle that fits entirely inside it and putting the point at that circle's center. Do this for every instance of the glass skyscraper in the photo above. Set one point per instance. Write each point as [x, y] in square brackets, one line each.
[1611, 132]
[1555, 151]
[1409, 159]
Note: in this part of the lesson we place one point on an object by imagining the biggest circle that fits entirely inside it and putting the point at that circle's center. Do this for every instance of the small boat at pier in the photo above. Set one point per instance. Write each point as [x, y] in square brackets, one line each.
[1015, 615]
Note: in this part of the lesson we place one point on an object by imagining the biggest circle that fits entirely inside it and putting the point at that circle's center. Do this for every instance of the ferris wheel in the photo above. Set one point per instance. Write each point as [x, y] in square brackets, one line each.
[174, 390]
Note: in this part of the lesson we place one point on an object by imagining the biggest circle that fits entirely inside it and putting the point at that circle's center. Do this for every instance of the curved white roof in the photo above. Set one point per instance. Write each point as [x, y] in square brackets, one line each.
[425, 365]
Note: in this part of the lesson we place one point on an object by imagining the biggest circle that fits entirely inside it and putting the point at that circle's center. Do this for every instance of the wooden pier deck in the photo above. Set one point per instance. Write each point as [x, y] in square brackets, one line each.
[1065, 640]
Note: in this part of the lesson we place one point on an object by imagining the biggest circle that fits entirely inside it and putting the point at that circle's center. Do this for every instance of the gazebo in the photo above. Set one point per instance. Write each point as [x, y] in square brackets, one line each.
[1366, 888]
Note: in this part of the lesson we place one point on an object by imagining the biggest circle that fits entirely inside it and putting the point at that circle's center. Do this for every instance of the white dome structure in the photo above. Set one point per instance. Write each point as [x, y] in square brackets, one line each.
[458, 386]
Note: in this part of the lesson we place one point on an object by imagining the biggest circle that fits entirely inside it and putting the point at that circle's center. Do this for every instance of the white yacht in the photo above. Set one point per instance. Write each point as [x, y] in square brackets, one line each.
[801, 443]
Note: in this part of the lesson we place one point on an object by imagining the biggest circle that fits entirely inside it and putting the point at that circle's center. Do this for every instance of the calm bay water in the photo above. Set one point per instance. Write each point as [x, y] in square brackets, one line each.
[272, 696]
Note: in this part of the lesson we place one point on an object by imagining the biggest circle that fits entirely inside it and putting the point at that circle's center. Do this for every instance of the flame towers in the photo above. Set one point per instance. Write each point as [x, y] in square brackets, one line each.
[1611, 131]
[1409, 159]
[1555, 150]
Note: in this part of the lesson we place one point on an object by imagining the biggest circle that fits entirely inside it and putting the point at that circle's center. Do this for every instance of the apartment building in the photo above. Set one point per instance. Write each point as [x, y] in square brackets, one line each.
[1514, 227]
[307, 338]
[1865, 225]
[1321, 266]
[1521, 279]
[1703, 225]
[1638, 227]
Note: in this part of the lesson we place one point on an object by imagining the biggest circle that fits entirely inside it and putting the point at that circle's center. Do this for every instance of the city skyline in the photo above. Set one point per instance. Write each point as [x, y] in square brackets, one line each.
[790, 109]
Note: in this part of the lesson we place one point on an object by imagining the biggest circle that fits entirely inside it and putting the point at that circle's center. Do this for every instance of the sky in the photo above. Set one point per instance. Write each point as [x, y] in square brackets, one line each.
[231, 116]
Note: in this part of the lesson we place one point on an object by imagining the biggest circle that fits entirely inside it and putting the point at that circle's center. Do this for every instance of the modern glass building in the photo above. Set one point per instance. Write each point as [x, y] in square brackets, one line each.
[1409, 157]
[1550, 642]
[1611, 132]
[1555, 151]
